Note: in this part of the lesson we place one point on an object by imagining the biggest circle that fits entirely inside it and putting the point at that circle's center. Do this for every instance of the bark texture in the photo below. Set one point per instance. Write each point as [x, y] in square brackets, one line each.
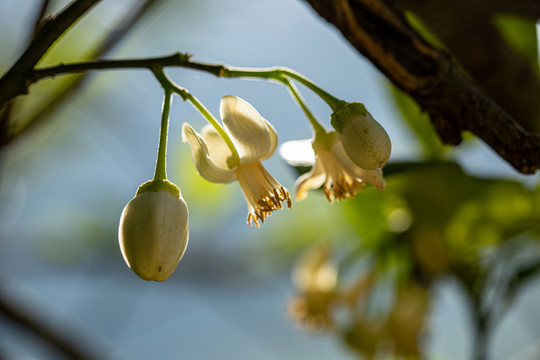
[455, 102]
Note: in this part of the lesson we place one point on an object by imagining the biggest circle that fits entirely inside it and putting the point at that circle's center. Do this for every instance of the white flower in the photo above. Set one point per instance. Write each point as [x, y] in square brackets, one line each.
[255, 139]
[153, 232]
[364, 140]
[335, 171]
[315, 277]
[314, 271]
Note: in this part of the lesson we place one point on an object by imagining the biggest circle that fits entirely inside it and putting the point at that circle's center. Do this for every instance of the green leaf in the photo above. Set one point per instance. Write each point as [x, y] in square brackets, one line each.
[418, 121]
[520, 33]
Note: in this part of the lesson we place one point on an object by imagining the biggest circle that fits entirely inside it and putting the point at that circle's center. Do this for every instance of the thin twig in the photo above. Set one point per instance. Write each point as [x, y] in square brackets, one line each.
[8, 110]
[14, 83]
[31, 321]
[76, 84]
[38, 18]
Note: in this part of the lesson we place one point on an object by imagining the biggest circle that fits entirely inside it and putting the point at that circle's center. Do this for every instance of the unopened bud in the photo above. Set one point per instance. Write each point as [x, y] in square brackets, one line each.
[153, 231]
[364, 140]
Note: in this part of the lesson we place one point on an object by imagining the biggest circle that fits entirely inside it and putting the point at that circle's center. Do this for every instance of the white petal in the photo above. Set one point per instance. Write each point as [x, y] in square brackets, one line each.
[298, 152]
[273, 139]
[204, 164]
[338, 151]
[310, 181]
[246, 127]
[217, 148]
[373, 177]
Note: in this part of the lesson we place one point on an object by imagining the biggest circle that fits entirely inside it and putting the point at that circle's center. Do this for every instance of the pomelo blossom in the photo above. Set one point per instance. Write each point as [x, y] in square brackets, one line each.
[335, 171]
[255, 139]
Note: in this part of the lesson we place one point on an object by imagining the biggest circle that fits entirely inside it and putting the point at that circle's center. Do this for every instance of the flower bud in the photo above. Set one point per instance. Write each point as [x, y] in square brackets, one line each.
[153, 231]
[365, 141]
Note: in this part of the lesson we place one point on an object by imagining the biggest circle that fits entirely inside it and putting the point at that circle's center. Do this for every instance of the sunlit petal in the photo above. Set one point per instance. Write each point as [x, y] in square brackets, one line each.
[311, 180]
[217, 148]
[298, 152]
[247, 129]
[199, 152]
[273, 139]
[373, 177]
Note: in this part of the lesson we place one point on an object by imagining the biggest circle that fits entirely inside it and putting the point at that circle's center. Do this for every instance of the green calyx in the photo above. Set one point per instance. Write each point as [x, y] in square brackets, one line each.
[341, 116]
[233, 160]
[325, 141]
[158, 185]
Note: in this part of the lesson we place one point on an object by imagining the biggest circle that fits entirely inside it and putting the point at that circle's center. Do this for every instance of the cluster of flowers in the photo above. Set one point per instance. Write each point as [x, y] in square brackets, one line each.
[153, 230]
[375, 330]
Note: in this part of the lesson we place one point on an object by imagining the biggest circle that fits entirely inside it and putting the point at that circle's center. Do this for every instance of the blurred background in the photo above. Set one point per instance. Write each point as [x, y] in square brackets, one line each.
[456, 225]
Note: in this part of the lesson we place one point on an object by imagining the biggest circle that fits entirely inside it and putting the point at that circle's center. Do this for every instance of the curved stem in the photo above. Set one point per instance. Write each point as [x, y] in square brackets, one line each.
[234, 160]
[184, 60]
[334, 103]
[317, 127]
[167, 83]
[277, 74]
[161, 162]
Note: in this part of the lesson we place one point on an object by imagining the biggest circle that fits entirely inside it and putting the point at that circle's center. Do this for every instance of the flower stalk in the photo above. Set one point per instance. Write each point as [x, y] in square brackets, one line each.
[169, 84]
[184, 60]
[279, 74]
[256, 140]
[317, 127]
[161, 162]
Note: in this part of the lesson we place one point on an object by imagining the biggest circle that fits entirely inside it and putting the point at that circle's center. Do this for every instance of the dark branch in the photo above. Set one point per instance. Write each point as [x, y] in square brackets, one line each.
[14, 82]
[39, 17]
[526, 8]
[177, 59]
[77, 83]
[454, 103]
[486, 56]
[12, 310]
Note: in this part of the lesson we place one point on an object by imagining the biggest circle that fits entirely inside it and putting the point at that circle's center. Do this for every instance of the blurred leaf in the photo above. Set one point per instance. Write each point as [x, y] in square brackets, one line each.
[510, 267]
[418, 122]
[520, 33]
[424, 30]
[399, 332]
[364, 338]
[455, 215]
[407, 320]
[77, 44]
[311, 220]
[368, 213]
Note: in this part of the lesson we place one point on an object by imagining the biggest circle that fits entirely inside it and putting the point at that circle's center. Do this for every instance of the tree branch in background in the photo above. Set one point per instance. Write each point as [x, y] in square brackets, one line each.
[7, 110]
[380, 32]
[13, 83]
[528, 8]
[509, 78]
[29, 319]
[76, 84]
[38, 18]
